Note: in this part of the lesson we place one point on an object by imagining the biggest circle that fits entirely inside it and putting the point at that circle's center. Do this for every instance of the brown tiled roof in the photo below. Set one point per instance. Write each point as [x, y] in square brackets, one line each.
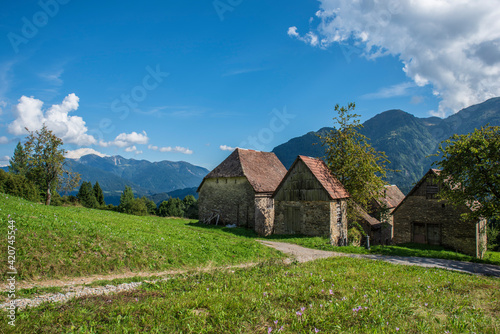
[392, 196]
[263, 170]
[369, 219]
[320, 170]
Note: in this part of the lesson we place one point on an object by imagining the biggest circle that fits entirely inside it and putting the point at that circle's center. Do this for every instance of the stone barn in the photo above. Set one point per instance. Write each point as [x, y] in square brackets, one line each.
[423, 218]
[378, 222]
[239, 190]
[311, 201]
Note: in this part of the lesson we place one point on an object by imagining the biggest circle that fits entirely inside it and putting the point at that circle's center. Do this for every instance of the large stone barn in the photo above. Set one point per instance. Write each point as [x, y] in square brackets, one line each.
[423, 218]
[311, 201]
[378, 222]
[239, 190]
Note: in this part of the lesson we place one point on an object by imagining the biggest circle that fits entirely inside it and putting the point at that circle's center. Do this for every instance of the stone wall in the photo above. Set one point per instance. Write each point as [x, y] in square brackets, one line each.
[338, 223]
[264, 214]
[425, 210]
[233, 197]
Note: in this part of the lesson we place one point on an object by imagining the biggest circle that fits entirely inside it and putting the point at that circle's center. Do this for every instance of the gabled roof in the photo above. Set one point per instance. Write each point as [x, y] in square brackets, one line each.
[374, 222]
[320, 170]
[391, 197]
[263, 170]
[431, 171]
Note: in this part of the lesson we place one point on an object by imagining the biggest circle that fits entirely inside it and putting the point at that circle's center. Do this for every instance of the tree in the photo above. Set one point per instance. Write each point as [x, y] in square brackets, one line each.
[126, 197]
[46, 160]
[18, 185]
[190, 207]
[86, 195]
[174, 207]
[137, 207]
[19, 162]
[353, 161]
[99, 195]
[150, 205]
[470, 169]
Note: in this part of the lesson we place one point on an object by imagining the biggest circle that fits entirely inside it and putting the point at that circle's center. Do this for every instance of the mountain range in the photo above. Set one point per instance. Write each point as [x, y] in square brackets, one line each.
[159, 179]
[408, 141]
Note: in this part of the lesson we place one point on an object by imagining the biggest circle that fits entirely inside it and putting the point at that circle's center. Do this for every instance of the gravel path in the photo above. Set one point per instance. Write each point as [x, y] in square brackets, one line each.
[303, 254]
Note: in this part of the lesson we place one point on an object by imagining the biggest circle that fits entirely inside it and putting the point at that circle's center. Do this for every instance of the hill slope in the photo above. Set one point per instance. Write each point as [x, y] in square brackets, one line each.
[406, 139]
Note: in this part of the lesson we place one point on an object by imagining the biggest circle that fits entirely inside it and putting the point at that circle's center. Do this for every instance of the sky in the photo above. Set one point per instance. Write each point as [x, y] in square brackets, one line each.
[191, 80]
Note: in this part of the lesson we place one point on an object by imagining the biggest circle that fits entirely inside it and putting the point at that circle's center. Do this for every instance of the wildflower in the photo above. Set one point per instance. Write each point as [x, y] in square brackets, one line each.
[320, 305]
[269, 330]
[265, 294]
[302, 309]
[298, 313]
[365, 296]
[275, 322]
[397, 329]
[425, 304]
[281, 328]
[136, 300]
[316, 330]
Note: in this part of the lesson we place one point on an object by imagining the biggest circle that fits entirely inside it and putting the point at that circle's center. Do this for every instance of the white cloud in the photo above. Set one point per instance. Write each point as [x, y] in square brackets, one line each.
[53, 77]
[401, 89]
[4, 140]
[454, 45]
[131, 149]
[71, 129]
[176, 149]
[4, 161]
[227, 148]
[77, 154]
[138, 152]
[127, 139]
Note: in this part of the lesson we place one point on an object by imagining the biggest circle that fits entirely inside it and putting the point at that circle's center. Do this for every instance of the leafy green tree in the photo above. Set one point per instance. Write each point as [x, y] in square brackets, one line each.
[137, 207]
[470, 169]
[86, 195]
[46, 161]
[150, 205]
[353, 161]
[126, 197]
[99, 195]
[18, 185]
[174, 207]
[19, 162]
[190, 207]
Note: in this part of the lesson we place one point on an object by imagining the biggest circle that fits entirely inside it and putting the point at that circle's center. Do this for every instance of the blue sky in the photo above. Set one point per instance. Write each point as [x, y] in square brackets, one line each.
[189, 80]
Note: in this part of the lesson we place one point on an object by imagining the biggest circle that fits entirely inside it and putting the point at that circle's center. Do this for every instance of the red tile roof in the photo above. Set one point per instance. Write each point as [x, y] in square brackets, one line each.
[263, 170]
[320, 170]
[392, 197]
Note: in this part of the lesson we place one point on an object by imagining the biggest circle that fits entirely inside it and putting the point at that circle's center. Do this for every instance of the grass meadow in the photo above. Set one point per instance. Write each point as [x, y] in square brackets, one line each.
[335, 295]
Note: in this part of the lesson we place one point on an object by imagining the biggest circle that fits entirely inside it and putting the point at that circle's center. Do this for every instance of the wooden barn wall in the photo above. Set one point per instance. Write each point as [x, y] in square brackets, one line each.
[301, 185]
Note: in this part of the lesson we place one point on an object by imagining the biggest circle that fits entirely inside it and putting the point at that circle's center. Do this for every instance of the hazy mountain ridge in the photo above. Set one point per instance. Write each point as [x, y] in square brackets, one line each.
[407, 140]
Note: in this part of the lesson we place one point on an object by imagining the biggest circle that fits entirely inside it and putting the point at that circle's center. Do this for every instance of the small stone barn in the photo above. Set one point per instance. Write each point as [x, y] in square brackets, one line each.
[239, 190]
[311, 201]
[423, 218]
[378, 223]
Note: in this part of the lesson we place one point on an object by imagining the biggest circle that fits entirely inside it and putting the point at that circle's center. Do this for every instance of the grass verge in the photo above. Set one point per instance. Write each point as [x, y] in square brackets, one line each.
[336, 295]
[55, 242]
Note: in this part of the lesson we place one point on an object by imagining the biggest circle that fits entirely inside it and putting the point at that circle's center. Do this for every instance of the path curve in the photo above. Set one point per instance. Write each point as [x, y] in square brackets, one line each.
[303, 254]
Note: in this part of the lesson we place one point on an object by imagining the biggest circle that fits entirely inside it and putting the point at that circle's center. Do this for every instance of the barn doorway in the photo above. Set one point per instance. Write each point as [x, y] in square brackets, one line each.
[293, 220]
[423, 233]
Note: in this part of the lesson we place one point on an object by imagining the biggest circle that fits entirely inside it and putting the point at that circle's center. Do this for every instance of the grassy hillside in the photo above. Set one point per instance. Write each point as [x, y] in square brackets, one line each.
[336, 295]
[71, 241]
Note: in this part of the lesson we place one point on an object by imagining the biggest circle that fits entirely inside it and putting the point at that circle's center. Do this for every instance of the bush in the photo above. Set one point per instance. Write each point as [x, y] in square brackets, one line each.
[493, 235]
[18, 185]
[354, 236]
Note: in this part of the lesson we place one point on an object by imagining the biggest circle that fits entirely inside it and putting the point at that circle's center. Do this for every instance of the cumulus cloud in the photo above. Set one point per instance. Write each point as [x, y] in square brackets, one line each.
[227, 148]
[127, 139]
[77, 154]
[4, 161]
[4, 140]
[71, 129]
[453, 45]
[131, 149]
[176, 149]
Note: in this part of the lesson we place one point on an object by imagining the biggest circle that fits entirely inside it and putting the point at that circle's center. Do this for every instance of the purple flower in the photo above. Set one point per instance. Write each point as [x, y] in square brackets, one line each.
[265, 293]
[298, 313]
[270, 329]
[281, 328]
[331, 292]
[275, 322]
[397, 329]
[316, 330]
[302, 309]
[426, 304]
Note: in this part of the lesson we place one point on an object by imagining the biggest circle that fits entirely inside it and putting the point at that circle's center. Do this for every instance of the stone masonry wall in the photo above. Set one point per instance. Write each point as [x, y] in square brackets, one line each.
[234, 197]
[454, 232]
[264, 215]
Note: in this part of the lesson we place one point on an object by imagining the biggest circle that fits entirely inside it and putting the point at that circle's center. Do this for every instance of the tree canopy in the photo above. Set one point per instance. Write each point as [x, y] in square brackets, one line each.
[352, 160]
[470, 168]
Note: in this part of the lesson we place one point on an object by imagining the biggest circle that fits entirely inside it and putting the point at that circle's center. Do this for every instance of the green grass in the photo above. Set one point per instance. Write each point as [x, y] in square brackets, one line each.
[54, 242]
[335, 295]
